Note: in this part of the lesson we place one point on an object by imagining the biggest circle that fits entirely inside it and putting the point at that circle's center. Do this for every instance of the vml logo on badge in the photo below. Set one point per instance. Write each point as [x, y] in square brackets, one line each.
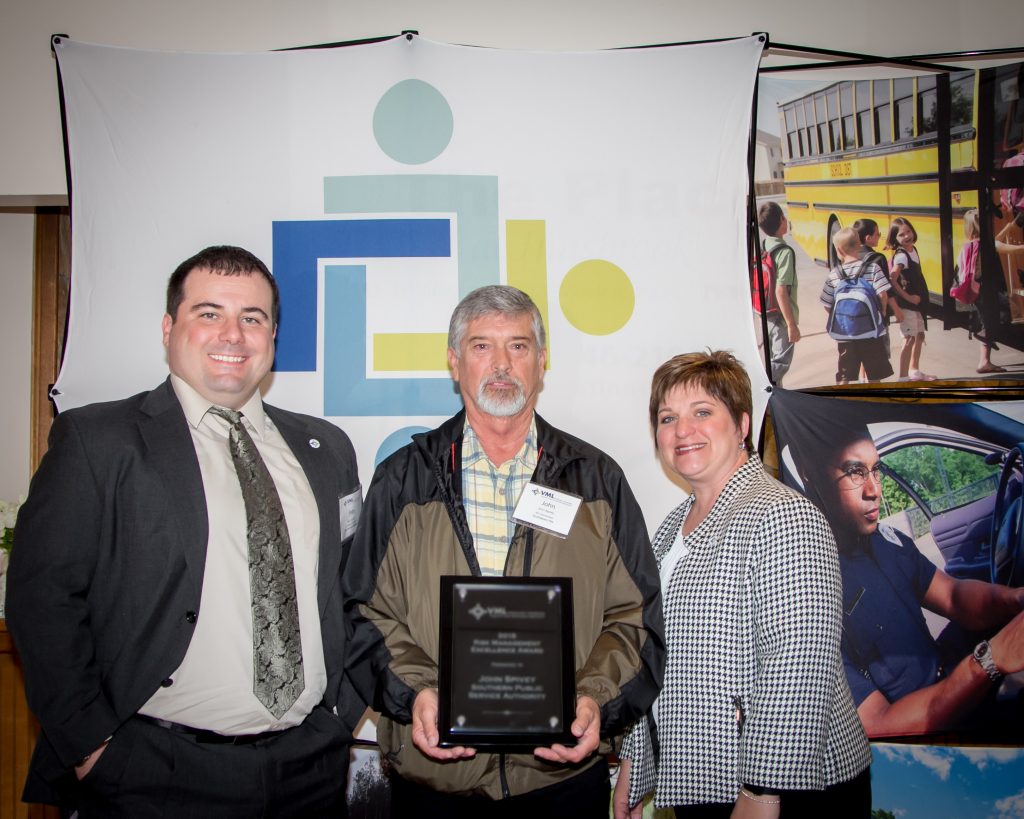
[407, 373]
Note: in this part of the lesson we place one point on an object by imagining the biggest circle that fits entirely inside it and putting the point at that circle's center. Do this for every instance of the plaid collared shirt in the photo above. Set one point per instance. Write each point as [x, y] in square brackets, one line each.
[490, 494]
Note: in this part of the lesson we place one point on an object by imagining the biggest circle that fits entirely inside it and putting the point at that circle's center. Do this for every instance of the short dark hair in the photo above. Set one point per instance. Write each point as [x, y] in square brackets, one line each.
[840, 437]
[815, 460]
[769, 217]
[501, 299]
[224, 260]
[864, 228]
[719, 373]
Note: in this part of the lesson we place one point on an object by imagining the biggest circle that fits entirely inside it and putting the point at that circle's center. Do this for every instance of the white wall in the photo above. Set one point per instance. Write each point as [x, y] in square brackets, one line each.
[16, 245]
[31, 158]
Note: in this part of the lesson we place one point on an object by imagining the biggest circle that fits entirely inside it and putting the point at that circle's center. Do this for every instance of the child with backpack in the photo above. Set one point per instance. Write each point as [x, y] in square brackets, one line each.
[967, 292]
[781, 312]
[855, 296]
[911, 292]
[870, 235]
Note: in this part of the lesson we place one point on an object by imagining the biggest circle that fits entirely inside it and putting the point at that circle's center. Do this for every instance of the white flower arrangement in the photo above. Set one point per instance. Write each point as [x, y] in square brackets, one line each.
[8, 515]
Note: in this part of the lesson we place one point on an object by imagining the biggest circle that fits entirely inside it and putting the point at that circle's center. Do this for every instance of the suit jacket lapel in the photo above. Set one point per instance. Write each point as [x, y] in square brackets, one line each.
[316, 463]
[171, 452]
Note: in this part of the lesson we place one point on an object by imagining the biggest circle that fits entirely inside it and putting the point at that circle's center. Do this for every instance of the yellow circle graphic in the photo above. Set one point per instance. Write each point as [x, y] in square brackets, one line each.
[597, 297]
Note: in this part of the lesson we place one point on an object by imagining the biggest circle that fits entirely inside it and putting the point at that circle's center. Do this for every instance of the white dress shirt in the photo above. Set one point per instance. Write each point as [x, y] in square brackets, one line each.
[212, 688]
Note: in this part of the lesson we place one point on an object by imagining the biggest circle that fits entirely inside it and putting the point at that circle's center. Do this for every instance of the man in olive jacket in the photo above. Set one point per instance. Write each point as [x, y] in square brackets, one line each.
[443, 506]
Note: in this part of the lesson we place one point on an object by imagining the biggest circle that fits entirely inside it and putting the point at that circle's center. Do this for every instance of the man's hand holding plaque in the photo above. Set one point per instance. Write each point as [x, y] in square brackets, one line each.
[424, 729]
[586, 728]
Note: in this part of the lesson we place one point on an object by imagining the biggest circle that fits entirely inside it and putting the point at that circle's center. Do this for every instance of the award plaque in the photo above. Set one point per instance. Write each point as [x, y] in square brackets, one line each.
[506, 676]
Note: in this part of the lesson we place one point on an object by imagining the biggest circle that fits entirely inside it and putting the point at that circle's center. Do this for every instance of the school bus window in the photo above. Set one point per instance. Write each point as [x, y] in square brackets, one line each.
[833, 119]
[847, 113]
[821, 118]
[795, 148]
[865, 137]
[849, 133]
[903, 106]
[812, 147]
[789, 114]
[927, 102]
[801, 122]
[1009, 112]
[883, 115]
[961, 99]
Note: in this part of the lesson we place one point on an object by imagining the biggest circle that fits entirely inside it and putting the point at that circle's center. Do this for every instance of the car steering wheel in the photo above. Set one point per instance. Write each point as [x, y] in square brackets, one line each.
[1006, 559]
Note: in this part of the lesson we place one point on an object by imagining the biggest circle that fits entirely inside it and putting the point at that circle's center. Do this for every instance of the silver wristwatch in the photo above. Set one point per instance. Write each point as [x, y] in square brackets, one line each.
[983, 657]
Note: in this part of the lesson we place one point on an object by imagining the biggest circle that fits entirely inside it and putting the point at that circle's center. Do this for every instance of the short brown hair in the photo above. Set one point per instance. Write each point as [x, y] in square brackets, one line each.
[718, 372]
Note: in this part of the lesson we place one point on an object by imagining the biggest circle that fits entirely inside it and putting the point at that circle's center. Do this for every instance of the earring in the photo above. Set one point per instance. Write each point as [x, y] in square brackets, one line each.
[742, 445]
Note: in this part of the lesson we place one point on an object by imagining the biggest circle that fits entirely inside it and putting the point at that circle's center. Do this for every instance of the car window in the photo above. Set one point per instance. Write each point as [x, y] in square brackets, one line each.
[943, 478]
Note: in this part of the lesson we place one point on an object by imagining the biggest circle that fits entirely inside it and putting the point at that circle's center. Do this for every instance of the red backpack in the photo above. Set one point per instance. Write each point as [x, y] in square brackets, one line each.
[769, 274]
[967, 286]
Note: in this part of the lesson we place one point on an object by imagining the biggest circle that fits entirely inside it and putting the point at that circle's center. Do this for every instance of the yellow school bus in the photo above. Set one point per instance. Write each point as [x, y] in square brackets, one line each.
[869, 148]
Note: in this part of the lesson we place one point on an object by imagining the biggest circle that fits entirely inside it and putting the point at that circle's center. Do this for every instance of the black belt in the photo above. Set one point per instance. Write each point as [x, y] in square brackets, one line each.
[211, 737]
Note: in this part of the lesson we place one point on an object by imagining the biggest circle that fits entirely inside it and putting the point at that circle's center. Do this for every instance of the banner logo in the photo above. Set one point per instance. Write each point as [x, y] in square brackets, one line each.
[406, 373]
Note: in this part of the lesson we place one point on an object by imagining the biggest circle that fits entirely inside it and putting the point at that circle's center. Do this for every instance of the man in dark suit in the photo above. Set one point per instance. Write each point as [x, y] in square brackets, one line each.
[175, 592]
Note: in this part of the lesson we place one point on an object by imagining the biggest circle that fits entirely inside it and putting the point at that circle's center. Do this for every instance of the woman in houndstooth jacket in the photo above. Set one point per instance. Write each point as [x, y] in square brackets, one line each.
[755, 718]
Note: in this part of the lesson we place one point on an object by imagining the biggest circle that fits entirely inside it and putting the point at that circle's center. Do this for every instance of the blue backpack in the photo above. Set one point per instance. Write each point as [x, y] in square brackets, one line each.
[856, 311]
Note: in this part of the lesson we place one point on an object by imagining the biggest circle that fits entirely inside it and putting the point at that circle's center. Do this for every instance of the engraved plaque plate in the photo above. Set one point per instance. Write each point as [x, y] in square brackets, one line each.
[507, 677]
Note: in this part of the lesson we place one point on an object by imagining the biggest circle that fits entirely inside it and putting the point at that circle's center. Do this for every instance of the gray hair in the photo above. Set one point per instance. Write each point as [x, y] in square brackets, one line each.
[494, 298]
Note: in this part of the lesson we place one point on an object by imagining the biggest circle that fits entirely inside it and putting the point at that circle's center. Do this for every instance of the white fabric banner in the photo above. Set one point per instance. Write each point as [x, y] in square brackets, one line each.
[382, 182]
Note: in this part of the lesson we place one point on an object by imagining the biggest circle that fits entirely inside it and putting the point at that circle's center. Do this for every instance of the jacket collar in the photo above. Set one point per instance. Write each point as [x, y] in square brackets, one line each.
[555, 447]
[740, 480]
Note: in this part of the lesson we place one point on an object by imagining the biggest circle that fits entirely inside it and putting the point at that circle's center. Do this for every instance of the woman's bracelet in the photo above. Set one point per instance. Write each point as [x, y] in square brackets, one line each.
[761, 800]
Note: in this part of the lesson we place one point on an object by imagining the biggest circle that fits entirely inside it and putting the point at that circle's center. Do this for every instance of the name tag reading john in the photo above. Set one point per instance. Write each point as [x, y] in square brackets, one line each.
[547, 509]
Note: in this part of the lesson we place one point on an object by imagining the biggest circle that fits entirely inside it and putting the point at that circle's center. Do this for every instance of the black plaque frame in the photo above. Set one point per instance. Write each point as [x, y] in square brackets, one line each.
[511, 711]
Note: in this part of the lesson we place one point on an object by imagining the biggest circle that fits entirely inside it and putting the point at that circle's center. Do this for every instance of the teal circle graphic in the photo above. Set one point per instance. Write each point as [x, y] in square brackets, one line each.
[413, 122]
[395, 441]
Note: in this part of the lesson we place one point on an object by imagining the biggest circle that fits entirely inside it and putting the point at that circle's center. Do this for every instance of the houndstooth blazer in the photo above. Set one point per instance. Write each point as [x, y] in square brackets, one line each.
[754, 689]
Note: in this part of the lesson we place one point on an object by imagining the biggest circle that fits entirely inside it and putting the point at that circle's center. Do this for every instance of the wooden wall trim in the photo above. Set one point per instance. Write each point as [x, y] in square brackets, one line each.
[49, 306]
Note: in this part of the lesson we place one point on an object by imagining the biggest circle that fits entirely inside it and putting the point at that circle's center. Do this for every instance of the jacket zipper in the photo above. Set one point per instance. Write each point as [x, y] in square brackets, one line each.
[467, 546]
[505, 793]
[452, 501]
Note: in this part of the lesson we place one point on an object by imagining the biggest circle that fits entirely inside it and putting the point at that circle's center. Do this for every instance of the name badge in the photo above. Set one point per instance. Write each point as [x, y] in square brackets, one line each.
[349, 507]
[547, 509]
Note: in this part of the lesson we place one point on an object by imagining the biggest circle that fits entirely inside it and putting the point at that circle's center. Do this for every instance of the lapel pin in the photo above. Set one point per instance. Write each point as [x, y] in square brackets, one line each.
[313, 442]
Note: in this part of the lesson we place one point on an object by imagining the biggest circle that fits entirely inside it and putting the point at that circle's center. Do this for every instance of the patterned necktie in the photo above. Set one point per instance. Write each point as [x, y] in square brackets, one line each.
[276, 646]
